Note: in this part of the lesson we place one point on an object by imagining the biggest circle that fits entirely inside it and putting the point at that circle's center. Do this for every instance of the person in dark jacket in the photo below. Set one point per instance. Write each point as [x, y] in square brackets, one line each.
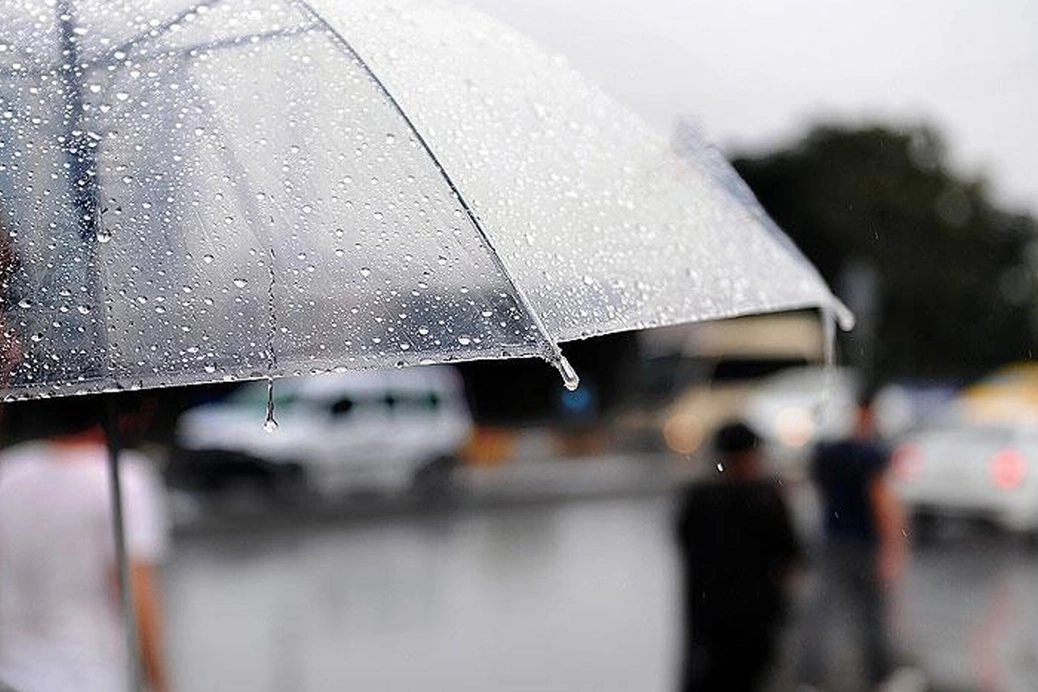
[739, 549]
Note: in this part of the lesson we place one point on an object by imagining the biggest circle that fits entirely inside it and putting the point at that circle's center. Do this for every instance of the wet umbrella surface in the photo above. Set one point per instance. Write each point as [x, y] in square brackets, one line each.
[234, 189]
[231, 189]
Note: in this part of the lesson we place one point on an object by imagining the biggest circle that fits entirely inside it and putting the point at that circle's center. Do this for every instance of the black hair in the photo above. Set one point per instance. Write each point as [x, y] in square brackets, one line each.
[736, 437]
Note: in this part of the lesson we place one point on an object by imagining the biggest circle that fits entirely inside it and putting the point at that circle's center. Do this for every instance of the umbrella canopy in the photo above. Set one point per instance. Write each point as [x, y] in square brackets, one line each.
[228, 189]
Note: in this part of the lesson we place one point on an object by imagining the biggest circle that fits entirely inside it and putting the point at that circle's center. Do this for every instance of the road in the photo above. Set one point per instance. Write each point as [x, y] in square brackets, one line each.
[563, 595]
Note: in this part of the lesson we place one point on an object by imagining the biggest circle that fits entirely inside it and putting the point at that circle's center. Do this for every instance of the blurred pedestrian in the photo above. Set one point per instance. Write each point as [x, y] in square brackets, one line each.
[60, 626]
[739, 549]
[862, 555]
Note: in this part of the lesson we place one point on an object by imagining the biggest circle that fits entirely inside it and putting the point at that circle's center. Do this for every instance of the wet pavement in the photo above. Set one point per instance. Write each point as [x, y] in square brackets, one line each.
[554, 593]
[571, 596]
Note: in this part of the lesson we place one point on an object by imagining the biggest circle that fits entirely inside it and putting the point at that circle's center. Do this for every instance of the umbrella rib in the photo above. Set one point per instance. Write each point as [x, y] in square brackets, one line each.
[232, 42]
[155, 32]
[554, 353]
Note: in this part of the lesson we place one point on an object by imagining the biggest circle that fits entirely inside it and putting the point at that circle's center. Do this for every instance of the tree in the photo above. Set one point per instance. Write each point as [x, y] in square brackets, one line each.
[956, 279]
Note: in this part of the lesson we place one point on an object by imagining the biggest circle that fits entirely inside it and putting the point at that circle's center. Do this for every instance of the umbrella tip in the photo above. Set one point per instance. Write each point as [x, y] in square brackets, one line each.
[570, 378]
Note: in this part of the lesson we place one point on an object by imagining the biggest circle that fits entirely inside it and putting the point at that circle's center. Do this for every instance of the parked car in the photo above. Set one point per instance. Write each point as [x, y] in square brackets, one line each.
[986, 471]
[978, 455]
[372, 429]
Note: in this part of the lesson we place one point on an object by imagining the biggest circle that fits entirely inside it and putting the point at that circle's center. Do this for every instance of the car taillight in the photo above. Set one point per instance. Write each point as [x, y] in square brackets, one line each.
[1008, 468]
[906, 462]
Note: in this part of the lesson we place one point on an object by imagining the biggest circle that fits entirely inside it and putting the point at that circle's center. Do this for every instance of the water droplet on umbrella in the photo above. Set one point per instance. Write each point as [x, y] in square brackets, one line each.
[121, 95]
[390, 138]
[464, 340]
[241, 283]
[83, 309]
[208, 259]
[103, 235]
[25, 303]
[365, 272]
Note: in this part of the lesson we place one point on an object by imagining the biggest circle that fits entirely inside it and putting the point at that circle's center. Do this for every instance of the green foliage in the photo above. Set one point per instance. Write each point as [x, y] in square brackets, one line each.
[956, 284]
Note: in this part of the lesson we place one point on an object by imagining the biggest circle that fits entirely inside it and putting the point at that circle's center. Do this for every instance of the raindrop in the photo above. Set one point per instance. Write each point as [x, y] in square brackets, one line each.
[270, 424]
[103, 235]
[208, 259]
[241, 283]
[121, 95]
[720, 467]
[83, 309]
[390, 138]
[464, 340]
[570, 379]
[37, 337]
[365, 272]
[25, 303]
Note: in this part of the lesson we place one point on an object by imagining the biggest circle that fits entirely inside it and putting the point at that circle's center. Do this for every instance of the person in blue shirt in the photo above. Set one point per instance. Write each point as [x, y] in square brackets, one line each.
[862, 554]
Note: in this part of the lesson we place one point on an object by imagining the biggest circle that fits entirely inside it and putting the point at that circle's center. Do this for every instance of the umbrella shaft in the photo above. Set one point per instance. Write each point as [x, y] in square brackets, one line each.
[133, 655]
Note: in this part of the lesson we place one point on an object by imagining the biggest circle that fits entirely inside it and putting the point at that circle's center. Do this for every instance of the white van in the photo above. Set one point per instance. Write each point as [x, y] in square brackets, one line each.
[369, 429]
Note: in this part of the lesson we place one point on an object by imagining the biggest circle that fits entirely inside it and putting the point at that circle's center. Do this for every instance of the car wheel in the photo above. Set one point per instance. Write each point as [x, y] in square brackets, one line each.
[436, 476]
[925, 528]
[291, 484]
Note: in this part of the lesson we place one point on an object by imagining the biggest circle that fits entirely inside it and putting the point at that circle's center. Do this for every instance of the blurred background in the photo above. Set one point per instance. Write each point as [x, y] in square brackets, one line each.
[454, 528]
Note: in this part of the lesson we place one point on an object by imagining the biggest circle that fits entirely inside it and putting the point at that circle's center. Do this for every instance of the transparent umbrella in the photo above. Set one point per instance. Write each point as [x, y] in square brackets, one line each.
[231, 189]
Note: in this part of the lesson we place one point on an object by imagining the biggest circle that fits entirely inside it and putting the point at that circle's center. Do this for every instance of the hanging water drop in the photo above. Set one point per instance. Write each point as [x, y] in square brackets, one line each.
[270, 424]
[570, 378]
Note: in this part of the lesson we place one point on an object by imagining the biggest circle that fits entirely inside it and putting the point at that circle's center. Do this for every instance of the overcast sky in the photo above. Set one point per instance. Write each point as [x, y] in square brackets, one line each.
[756, 72]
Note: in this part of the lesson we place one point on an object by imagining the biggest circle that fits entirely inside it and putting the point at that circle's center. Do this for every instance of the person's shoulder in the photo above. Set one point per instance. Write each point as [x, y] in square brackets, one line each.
[21, 457]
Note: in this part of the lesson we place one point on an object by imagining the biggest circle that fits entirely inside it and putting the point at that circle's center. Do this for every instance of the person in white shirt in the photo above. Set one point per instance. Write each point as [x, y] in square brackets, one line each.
[60, 624]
